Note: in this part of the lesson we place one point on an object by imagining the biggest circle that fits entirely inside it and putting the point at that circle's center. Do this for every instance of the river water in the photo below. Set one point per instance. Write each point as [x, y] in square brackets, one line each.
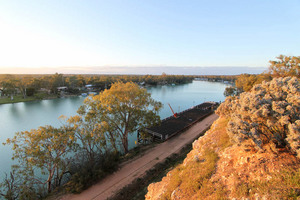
[30, 115]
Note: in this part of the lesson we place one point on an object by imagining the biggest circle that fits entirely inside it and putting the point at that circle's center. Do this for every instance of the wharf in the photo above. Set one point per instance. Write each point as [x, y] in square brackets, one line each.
[172, 126]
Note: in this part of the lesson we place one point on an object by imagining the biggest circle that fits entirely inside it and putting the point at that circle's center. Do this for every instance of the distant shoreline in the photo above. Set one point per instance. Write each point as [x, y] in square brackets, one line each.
[136, 70]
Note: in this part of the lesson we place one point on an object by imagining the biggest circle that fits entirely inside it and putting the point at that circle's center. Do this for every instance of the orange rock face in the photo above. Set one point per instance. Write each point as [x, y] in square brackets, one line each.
[240, 171]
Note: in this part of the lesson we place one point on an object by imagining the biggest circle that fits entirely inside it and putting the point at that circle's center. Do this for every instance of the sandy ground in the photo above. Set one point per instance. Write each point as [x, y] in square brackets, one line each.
[137, 168]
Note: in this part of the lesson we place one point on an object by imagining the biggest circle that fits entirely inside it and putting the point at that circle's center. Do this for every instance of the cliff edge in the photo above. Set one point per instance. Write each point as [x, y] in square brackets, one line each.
[242, 157]
[218, 169]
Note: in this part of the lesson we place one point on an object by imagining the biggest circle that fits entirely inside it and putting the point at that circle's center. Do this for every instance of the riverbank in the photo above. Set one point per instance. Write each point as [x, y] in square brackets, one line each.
[45, 96]
[138, 167]
[20, 98]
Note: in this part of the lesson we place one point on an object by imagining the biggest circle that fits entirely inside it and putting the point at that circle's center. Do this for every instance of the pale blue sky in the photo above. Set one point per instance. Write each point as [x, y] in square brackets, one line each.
[50, 33]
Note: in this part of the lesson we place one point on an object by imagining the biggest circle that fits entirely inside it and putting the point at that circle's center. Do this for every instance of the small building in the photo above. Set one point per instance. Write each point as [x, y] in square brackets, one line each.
[88, 86]
[62, 89]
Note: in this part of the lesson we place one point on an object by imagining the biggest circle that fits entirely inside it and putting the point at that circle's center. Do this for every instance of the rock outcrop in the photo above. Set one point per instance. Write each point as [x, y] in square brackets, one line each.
[218, 169]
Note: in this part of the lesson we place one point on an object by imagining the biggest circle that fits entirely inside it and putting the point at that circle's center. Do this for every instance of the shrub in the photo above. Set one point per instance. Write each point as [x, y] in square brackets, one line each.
[268, 113]
[85, 173]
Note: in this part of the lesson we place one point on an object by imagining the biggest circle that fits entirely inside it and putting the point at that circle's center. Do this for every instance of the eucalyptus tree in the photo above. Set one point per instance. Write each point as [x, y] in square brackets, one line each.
[42, 151]
[285, 66]
[91, 136]
[122, 110]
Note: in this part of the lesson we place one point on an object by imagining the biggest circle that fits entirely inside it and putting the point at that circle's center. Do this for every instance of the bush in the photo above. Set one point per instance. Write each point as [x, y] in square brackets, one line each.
[268, 113]
[85, 173]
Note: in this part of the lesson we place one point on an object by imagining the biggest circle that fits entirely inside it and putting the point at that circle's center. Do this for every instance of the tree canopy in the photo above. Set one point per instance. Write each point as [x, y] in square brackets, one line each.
[282, 67]
[44, 149]
[285, 66]
[125, 108]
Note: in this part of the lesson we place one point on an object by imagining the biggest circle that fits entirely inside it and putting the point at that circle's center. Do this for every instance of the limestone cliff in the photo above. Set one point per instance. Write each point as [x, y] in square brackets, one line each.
[218, 169]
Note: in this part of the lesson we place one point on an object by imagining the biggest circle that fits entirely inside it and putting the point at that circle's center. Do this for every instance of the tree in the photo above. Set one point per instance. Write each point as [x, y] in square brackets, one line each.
[285, 66]
[230, 91]
[282, 67]
[9, 87]
[125, 108]
[72, 81]
[22, 84]
[57, 80]
[269, 113]
[13, 83]
[45, 149]
[245, 82]
[9, 188]
[91, 134]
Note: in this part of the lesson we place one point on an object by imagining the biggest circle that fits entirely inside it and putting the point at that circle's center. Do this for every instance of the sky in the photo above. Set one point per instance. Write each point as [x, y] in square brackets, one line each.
[87, 34]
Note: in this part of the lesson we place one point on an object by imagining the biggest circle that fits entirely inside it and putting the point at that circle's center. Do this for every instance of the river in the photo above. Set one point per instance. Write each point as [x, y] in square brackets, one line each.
[30, 115]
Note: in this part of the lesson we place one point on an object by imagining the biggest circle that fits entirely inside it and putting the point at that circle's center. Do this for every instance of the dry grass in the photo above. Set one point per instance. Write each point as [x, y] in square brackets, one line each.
[283, 185]
[192, 179]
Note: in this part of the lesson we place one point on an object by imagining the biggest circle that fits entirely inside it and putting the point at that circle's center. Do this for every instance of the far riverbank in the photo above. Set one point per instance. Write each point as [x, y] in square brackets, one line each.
[19, 99]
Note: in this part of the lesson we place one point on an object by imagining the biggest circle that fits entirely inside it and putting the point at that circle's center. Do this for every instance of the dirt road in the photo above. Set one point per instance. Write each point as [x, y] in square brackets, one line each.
[139, 166]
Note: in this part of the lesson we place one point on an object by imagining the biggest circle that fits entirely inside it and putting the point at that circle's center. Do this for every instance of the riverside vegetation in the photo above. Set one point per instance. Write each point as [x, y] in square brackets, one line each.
[20, 88]
[251, 151]
[84, 149]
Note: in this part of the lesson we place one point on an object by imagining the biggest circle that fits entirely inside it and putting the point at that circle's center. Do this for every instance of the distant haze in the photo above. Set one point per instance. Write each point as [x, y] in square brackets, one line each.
[138, 70]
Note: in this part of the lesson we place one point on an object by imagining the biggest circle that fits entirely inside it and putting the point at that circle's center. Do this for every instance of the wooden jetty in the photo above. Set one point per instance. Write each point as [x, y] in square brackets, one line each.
[172, 125]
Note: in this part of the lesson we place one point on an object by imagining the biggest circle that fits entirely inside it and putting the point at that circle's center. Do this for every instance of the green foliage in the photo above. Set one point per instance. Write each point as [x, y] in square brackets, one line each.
[268, 113]
[219, 78]
[90, 133]
[122, 110]
[57, 80]
[282, 67]
[230, 91]
[18, 187]
[45, 149]
[245, 82]
[85, 173]
[101, 122]
[30, 92]
[9, 187]
[40, 96]
[45, 86]
[285, 66]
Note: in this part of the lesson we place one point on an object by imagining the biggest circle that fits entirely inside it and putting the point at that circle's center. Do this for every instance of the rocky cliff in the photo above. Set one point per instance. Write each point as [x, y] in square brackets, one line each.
[218, 169]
